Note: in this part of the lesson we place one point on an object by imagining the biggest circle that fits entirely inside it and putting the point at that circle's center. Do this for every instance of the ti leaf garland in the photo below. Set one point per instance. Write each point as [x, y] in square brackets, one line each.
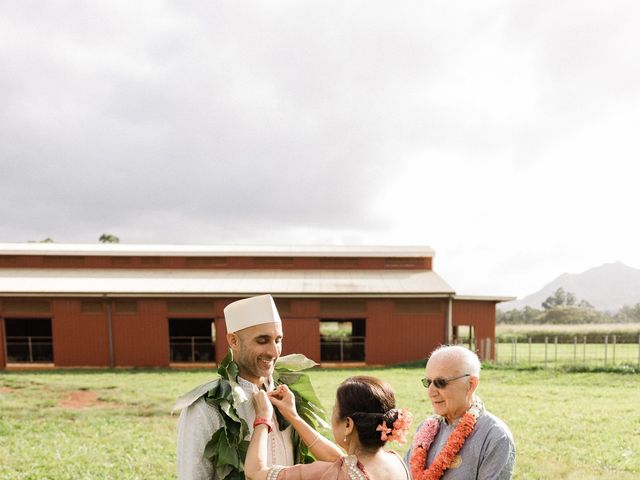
[227, 448]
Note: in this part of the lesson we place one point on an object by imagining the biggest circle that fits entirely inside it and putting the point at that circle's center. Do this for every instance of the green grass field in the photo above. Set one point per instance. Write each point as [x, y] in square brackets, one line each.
[587, 354]
[116, 425]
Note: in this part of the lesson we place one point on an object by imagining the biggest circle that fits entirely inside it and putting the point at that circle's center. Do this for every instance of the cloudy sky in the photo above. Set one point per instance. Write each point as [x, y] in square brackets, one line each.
[504, 134]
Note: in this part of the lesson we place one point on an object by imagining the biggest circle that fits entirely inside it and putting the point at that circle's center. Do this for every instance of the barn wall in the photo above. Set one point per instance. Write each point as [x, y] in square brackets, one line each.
[394, 337]
[79, 338]
[141, 338]
[480, 314]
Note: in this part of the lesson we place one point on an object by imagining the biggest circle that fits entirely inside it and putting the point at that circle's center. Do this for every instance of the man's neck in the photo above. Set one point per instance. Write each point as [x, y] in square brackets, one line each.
[259, 382]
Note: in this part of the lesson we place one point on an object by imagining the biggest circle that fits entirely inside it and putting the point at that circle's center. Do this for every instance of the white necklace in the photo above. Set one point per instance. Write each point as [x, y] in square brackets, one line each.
[352, 467]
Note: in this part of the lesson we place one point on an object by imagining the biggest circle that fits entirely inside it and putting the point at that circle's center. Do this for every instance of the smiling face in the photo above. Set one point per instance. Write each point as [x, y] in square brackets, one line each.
[453, 400]
[256, 349]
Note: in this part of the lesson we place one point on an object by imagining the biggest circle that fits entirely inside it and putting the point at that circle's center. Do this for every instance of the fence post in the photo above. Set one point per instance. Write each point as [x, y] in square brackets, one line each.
[341, 349]
[546, 343]
[555, 343]
[497, 340]
[515, 350]
[613, 354]
[30, 350]
[575, 349]
[584, 351]
[606, 345]
[193, 349]
[487, 349]
[529, 350]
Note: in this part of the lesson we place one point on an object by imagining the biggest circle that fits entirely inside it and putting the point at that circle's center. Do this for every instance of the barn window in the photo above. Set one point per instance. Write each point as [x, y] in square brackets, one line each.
[190, 306]
[206, 261]
[273, 262]
[342, 340]
[150, 261]
[62, 261]
[25, 306]
[91, 306]
[120, 261]
[400, 262]
[330, 307]
[192, 340]
[126, 306]
[28, 340]
[418, 306]
[338, 262]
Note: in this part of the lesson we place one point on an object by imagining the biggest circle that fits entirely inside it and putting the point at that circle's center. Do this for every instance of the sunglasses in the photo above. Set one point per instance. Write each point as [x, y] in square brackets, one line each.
[441, 382]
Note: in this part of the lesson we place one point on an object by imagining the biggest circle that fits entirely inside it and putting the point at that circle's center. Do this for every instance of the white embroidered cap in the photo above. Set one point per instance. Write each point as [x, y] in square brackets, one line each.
[249, 312]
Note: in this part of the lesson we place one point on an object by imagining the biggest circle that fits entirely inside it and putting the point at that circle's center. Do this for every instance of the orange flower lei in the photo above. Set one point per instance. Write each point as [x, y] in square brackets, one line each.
[425, 436]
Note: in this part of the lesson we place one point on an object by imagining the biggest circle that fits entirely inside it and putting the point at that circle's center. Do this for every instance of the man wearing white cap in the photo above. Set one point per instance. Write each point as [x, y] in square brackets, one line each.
[254, 334]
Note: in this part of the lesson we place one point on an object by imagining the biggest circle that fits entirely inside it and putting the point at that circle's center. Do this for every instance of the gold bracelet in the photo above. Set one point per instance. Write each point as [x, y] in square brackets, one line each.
[314, 441]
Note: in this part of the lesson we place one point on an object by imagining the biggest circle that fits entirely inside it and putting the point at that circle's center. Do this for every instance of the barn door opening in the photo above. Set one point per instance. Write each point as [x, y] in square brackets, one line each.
[28, 340]
[342, 340]
[464, 334]
[192, 340]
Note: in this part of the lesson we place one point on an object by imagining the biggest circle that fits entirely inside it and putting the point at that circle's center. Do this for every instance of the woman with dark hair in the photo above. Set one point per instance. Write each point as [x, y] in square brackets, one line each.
[364, 418]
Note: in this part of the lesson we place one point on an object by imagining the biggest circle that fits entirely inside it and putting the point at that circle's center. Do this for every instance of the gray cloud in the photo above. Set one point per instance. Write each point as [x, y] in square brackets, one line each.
[191, 122]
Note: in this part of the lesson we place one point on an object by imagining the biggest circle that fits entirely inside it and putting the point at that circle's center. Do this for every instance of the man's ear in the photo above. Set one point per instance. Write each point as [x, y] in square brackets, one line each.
[233, 340]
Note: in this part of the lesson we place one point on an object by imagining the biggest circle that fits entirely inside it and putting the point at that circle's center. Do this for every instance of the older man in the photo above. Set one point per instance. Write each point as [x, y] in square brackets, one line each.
[254, 334]
[462, 440]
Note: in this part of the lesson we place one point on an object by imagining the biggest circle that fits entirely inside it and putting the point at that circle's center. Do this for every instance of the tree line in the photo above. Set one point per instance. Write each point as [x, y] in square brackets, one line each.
[564, 308]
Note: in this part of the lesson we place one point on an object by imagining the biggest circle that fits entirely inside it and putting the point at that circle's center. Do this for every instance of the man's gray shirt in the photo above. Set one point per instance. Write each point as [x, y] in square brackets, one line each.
[487, 454]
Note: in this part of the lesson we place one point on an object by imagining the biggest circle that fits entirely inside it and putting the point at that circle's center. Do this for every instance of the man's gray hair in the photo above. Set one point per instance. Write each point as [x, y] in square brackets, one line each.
[467, 360]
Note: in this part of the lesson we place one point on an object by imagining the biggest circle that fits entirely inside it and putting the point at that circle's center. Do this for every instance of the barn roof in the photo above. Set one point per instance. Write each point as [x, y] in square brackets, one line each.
[218, 283]
[117, 249]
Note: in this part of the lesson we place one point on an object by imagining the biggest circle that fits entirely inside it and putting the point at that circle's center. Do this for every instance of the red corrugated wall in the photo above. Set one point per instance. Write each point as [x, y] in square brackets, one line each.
[393, 338]
[479, 313]
[221, 339]
[79, 339]
[141, 339]
[302, 335]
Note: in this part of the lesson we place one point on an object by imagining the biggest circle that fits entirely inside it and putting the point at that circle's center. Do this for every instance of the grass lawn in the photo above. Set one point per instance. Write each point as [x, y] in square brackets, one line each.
[586, 354]
[103, 424]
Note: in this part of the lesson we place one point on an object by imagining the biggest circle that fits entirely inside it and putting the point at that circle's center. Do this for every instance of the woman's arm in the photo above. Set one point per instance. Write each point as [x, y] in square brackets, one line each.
[256, 463]
[284, 400]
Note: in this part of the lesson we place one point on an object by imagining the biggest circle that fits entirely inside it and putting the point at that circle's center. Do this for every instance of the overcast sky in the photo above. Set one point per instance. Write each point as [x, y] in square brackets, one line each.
[504, 134]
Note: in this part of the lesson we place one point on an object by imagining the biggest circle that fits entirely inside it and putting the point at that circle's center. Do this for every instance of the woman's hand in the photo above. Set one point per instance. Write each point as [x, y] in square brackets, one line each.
[262, 405]
[284, 400]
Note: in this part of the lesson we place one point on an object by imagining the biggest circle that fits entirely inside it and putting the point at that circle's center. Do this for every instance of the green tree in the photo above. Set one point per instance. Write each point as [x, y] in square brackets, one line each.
[108, 238]
[559, 298]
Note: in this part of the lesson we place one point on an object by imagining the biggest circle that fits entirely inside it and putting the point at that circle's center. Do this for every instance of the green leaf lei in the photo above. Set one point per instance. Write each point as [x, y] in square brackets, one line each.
[227, 448]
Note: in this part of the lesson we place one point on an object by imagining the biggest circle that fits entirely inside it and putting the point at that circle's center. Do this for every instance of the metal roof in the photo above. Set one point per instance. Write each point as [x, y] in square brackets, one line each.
[118, 249]
[484, 298]
[129, 282]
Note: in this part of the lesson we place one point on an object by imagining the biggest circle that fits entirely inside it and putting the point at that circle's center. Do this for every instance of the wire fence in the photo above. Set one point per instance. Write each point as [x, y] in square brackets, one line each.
[578, 350]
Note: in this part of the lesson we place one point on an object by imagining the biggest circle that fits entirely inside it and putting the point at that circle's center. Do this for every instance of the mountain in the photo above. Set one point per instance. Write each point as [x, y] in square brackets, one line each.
[607, 287]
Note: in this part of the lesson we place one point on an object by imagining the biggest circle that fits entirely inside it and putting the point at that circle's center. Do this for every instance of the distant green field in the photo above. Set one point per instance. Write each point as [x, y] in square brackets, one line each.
[116, 425]
[589, 354]
[592, 345]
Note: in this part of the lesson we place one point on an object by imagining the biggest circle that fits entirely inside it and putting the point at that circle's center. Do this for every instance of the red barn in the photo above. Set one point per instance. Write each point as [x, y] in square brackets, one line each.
[113, 305]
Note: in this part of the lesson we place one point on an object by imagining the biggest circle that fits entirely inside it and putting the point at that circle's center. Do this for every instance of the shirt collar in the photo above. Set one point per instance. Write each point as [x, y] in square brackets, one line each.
[250, 387]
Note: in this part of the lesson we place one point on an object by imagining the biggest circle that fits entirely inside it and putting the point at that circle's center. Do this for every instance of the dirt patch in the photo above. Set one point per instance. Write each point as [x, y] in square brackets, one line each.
[82, 399]
[6, 389]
